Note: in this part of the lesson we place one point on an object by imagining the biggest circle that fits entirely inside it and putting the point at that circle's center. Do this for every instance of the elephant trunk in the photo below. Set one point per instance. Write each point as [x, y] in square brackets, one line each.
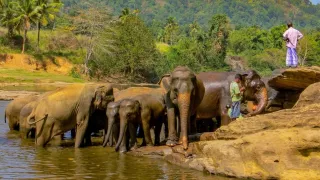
[109, 131]
[184, 108]
[262, 98]
[123, 130]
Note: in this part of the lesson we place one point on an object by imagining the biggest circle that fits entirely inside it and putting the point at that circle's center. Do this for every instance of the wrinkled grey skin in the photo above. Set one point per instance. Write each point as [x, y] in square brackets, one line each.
[184, 94]
[67, 108]
[26, 130]
[146, 110]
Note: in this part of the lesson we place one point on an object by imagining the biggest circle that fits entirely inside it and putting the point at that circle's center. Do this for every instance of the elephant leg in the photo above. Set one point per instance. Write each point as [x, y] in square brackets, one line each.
[172, 135]
[82, 126]
[114, 135]
[133, 136]
[48, 132]
[157, 131]
[225, 119]
[146, 118]
[123, 145]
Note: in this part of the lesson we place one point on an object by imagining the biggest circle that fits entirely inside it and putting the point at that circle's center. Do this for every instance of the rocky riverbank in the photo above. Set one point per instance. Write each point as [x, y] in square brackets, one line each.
[279, 145]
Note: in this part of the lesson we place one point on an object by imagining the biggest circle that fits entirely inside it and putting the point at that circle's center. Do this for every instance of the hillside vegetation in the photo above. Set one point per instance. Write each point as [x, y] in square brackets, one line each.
[266, 13]
[139, 40]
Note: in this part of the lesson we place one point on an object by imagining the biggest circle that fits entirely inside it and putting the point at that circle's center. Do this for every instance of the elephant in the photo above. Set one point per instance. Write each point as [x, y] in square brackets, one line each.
[184, 93]
[26, 130]
[148, 110]
[12, 112]
[113, 124]
[113, 108]
[68, 108]
[217, 94]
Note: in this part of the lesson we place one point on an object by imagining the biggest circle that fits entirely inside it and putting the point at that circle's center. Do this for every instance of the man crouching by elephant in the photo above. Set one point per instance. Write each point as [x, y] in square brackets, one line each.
[68, 108]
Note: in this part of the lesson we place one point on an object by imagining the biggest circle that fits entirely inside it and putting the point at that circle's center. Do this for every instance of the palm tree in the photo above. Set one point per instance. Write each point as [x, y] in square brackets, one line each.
[25, 12]
[48, 11]
[194, 29]
[124, 14]
[6, 15]
[171, 27]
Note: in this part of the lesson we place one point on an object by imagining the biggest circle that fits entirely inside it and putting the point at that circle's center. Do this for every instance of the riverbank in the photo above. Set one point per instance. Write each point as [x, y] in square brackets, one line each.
[279, 145]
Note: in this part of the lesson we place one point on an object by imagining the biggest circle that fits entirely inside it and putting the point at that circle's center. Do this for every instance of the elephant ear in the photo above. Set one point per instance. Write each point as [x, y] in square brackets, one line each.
[165, 82]
[104, 92]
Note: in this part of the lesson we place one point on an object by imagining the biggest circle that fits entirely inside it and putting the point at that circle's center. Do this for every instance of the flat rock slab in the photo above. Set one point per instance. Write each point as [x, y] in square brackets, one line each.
[152, 151]
[295, 79]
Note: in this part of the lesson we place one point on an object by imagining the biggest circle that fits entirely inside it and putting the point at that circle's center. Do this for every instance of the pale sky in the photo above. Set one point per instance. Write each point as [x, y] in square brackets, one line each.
[315, 1]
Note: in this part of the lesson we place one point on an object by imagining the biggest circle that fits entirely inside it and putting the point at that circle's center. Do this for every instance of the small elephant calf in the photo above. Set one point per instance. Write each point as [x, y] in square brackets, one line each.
[148, 110]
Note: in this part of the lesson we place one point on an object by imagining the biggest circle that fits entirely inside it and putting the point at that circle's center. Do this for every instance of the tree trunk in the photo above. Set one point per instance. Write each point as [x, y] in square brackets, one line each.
[10, 31]
[24, 40]
[38, 38]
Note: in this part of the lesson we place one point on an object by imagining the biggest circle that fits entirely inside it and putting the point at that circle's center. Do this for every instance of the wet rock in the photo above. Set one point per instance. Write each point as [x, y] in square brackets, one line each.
[310, 96]
[152, 151]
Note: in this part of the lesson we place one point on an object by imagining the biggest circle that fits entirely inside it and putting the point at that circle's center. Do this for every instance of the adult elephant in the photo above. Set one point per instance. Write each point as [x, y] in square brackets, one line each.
[67, 108]
[12, 112]
[217, 94]
[185, 92]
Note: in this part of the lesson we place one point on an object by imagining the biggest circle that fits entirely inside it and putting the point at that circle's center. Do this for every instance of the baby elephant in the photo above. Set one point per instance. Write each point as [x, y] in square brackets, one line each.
[147, 110]
[112, 125]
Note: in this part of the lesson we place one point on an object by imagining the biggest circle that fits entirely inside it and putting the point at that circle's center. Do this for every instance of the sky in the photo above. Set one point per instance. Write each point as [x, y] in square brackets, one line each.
[315, 1]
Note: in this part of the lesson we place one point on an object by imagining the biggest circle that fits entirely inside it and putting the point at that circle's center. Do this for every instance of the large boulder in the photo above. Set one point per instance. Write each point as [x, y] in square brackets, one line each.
[295, 79]
[280, 145]
[309, 96]
[285, 86]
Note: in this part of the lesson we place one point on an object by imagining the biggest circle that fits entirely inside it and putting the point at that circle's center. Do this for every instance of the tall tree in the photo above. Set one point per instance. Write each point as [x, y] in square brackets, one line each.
[6, 14]
[48, 11]
[171, 29]
[218, 40]
[91, 22]
[25, 13]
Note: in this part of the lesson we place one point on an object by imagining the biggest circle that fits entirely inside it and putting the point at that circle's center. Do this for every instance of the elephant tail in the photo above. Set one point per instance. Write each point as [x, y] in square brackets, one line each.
[32, 116]
[5, 117]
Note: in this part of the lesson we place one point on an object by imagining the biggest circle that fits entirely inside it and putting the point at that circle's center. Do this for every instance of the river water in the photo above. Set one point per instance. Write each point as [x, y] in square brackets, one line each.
[19, 159]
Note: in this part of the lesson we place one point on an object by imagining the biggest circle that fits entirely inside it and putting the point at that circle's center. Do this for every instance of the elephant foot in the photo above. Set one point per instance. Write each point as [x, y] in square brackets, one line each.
[123, 150]
[171, 143]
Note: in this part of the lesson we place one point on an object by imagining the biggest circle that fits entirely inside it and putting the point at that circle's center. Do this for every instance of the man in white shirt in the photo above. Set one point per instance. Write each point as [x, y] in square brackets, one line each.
[292, 36]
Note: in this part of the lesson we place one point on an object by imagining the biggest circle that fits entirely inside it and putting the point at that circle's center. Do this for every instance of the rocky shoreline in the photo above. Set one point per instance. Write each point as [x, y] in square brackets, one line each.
[279, 145]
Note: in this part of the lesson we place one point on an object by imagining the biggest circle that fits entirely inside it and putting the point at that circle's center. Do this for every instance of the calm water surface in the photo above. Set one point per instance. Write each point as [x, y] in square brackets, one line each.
[19, 159]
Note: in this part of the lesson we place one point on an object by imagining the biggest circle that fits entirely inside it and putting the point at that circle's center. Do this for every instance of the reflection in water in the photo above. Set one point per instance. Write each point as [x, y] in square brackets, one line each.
[20, 159]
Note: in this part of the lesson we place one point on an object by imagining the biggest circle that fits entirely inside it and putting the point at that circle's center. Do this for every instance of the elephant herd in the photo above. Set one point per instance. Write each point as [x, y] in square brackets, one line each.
[182, 99]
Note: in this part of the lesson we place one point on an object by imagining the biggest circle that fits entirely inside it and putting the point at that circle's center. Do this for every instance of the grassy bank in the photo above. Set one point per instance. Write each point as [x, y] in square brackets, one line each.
[25, 76]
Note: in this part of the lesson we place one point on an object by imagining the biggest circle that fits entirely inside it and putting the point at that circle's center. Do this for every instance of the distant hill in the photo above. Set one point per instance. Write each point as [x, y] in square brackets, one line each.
[266, 13]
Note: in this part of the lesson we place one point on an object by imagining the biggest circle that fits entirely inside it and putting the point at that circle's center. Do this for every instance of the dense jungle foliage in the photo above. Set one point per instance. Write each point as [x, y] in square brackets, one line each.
[140, 40]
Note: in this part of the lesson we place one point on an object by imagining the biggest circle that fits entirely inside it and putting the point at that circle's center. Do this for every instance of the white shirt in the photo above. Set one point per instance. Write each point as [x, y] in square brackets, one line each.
[293, 36]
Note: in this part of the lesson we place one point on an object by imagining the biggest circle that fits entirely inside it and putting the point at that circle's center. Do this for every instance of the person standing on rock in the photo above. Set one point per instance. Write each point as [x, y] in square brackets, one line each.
[236, 95]
[292, 36]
